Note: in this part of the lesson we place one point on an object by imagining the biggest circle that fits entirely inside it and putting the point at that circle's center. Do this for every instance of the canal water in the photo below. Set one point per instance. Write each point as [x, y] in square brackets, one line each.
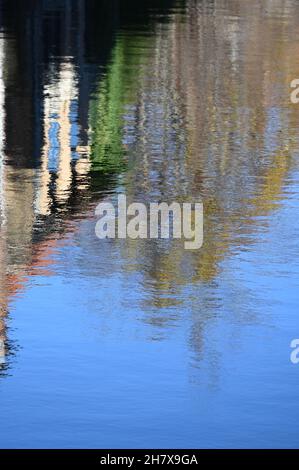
[141, 343]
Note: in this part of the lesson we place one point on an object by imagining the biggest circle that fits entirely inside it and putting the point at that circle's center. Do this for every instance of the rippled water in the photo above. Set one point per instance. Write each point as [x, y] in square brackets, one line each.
[136, 343]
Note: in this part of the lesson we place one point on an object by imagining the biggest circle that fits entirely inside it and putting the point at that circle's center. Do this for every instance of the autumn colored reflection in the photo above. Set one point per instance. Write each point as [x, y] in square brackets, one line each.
[162, 101]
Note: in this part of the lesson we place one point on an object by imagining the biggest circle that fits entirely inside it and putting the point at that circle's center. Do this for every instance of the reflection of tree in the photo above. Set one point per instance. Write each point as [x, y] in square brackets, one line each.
[191, 110]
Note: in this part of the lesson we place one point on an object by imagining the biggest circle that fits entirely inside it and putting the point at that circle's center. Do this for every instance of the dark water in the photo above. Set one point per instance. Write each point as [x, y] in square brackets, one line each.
[140, 343]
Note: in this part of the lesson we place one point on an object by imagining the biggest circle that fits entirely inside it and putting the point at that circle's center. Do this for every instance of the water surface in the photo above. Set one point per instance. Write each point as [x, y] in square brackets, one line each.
[136, 343]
